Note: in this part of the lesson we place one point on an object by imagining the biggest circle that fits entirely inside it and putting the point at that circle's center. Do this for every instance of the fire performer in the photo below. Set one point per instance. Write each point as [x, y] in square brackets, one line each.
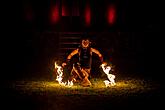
[82, 69]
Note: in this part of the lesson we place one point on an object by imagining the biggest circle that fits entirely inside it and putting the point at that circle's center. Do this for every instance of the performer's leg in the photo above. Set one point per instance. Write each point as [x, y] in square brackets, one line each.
[73, 76]
[85, 81]
[76, 73]
[82, 74]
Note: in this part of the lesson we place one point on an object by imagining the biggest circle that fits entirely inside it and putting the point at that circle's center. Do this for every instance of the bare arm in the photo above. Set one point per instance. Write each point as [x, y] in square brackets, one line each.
[74, 52]
[98, 53]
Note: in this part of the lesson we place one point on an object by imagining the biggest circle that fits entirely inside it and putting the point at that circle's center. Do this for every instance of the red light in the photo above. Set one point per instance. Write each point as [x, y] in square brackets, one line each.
[111, 14]
[64, 13]
[55, 14]
[87, 15]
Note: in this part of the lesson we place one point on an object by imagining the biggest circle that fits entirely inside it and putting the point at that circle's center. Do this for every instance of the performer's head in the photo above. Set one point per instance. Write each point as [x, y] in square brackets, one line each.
[85, 43]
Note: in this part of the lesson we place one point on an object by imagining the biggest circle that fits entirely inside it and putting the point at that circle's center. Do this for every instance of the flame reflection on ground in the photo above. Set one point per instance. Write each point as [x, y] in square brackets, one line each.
[122, 86]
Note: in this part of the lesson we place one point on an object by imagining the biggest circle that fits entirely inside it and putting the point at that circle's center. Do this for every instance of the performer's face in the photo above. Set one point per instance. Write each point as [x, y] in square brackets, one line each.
[85, 43]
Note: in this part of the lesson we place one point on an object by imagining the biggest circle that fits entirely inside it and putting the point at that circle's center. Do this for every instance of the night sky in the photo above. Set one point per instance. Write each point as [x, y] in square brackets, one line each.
[131, 41]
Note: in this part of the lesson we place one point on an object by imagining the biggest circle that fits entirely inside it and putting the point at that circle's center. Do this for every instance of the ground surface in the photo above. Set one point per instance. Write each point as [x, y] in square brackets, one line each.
[128, 93]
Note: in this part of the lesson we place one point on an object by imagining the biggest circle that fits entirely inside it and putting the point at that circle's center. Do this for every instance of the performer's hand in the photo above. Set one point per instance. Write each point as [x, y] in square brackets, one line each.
[64, 64]
[104, 63]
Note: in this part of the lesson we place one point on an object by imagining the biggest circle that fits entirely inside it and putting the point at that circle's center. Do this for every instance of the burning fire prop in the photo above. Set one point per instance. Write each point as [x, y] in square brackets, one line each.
[106, 69]
[60, 77]
[111, 77]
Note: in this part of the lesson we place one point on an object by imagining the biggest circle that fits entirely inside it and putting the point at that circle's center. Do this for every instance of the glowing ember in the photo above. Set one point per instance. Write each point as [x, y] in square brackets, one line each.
[111, 77]
[60, 76]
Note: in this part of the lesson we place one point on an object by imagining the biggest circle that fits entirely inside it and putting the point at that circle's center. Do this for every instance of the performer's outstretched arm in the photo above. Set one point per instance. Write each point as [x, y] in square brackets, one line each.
[74, 52]
[98, 53]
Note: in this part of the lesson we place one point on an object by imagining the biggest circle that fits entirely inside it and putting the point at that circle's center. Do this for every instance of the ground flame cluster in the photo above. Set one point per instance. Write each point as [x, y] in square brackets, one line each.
[111, 77]
[106, 69]
[59, 78]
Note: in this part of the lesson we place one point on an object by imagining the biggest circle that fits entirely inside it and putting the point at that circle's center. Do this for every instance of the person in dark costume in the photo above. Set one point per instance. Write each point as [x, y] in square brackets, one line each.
[82, 69]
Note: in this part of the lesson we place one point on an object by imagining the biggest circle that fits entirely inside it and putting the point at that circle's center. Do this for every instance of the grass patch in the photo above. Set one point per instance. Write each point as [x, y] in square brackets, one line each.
[122, 87]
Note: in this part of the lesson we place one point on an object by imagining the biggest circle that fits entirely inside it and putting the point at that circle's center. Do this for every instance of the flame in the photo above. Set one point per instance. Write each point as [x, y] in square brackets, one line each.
[60, 76]
[106, 69]
[111, 77]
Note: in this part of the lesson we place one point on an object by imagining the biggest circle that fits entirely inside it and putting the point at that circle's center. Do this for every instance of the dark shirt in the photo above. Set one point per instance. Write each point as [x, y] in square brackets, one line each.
[85, 57]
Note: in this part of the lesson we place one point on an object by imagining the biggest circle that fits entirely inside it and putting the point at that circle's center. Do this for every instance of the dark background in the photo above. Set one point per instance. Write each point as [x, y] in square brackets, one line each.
[30, 43]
